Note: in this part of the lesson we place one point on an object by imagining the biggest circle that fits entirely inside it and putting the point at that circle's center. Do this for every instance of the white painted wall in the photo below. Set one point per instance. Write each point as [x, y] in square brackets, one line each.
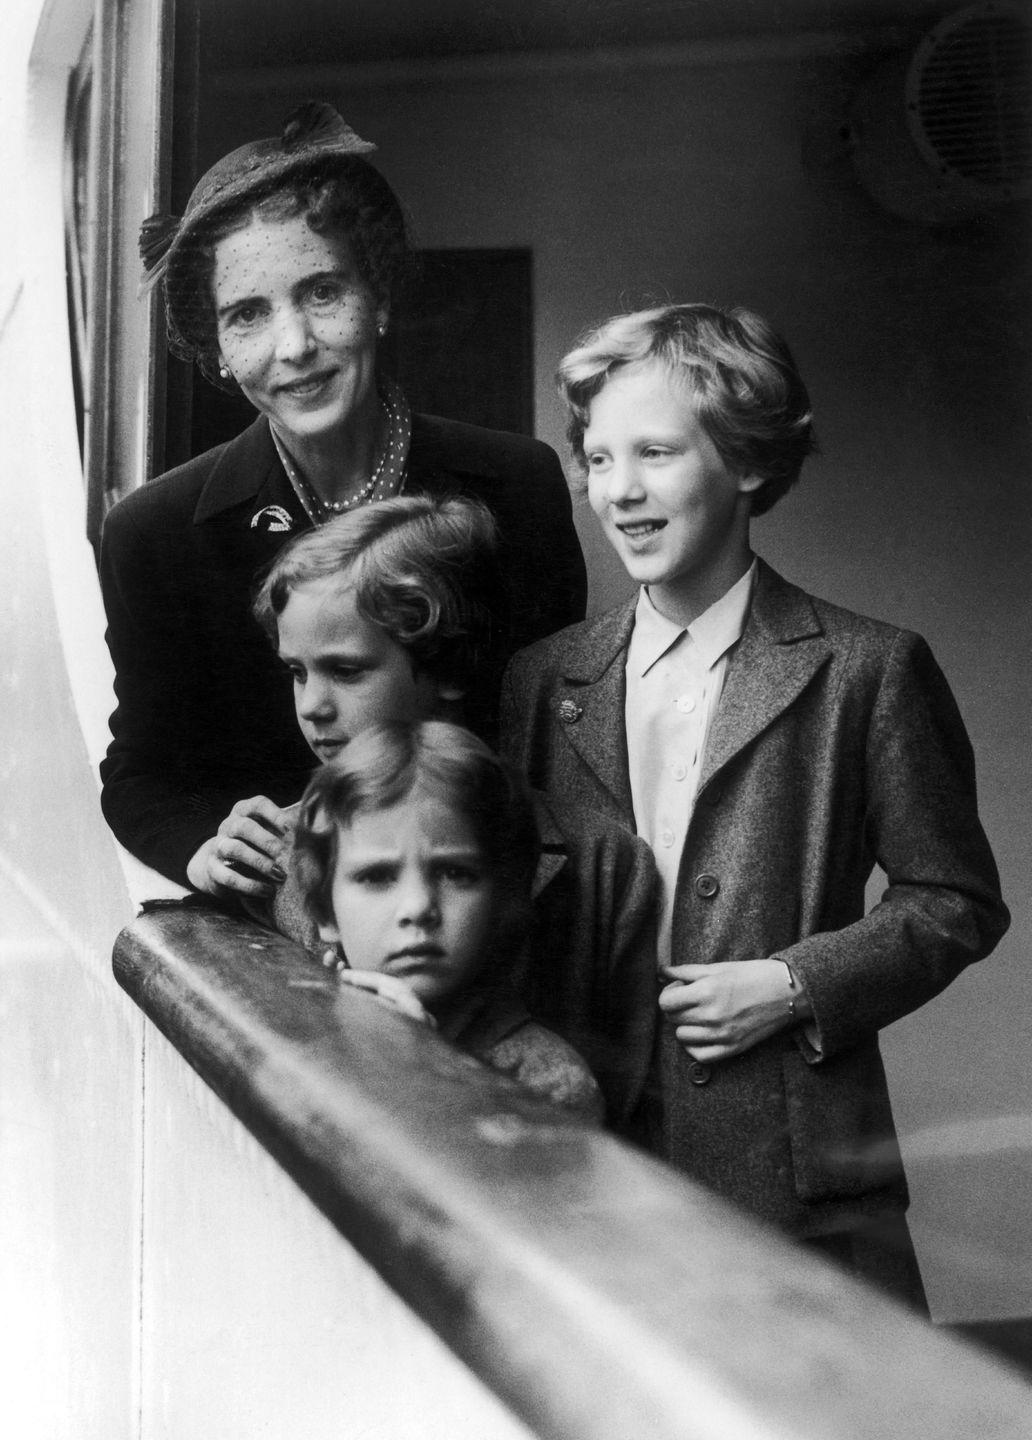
[69, 1045]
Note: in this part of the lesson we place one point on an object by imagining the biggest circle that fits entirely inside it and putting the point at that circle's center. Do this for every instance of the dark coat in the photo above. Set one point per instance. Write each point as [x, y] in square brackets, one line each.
[588, 968]
[205, 711]
[837, 745]
[491, 1023]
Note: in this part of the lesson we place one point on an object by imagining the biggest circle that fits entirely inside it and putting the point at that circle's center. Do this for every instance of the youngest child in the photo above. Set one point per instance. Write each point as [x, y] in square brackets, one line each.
[414, 855]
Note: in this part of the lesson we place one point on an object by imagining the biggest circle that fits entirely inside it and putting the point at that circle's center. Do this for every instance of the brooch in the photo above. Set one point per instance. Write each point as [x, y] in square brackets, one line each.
[569, 712]
[273, 517]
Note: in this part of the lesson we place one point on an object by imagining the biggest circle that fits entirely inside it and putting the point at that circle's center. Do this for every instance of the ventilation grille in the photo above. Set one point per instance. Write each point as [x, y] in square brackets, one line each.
[969, 100]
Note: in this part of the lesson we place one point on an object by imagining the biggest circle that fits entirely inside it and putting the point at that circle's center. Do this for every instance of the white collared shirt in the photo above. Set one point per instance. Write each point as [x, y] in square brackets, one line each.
[675, 677]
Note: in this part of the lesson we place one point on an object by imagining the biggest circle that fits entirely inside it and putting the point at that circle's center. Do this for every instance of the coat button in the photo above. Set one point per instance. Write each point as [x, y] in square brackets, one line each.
[706, 885]
[698, 1073]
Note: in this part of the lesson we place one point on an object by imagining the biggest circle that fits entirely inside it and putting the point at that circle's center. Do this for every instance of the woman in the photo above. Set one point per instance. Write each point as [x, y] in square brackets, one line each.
[278, 281]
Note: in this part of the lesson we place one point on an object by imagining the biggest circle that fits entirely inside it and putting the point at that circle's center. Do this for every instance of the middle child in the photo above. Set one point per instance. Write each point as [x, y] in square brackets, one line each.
[384, 615]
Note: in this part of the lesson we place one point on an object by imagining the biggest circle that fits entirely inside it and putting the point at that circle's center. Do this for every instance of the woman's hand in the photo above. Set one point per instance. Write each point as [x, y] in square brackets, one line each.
[392, 991]
[244, 857]
[722, 1009]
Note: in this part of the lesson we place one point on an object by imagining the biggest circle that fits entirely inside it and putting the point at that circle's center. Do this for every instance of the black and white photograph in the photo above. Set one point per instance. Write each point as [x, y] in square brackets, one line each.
[516, 782]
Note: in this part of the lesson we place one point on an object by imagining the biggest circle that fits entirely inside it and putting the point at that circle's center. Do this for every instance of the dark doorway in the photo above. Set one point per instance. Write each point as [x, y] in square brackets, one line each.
[462, 342]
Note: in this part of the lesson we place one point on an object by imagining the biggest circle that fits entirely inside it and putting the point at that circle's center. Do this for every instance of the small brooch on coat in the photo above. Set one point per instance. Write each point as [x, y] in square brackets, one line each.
[273, 517]
[569, 712]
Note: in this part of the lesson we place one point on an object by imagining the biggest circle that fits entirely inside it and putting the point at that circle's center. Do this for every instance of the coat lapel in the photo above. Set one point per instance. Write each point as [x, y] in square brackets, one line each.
[249, 472]
[590, 704]
[781, 649]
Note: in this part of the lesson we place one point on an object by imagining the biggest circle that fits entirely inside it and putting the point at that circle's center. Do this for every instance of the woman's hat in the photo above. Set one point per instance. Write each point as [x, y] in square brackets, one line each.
[311, 133]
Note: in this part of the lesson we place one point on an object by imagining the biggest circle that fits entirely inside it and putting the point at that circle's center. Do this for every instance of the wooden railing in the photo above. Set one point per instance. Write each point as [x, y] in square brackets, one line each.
[599, 1294]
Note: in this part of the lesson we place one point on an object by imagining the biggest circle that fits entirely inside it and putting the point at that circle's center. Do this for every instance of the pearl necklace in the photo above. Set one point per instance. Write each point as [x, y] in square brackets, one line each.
[387, 477]
[338, 507]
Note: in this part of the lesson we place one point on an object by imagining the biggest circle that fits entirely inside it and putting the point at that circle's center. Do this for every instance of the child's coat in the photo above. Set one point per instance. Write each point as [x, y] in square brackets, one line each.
[837, 744]
[588, 968]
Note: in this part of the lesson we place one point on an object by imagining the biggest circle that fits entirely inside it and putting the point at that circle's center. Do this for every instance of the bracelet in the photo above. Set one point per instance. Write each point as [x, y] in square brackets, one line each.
[792, 985]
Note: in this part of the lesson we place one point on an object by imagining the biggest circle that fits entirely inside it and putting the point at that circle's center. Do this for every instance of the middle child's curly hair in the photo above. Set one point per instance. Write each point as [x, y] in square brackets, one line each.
[422, 569]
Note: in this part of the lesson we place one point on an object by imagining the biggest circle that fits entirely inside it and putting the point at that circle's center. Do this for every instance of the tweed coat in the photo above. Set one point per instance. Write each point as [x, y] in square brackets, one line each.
[204, 711]
[837, 745]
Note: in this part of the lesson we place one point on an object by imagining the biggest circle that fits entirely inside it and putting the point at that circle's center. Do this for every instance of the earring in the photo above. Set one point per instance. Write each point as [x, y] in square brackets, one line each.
[381, 329]
[224, 372]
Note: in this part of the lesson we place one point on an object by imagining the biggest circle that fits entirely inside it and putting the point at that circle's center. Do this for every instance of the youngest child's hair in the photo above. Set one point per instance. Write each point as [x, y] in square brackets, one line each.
[747, 392]
[422, 569]
[386, 764]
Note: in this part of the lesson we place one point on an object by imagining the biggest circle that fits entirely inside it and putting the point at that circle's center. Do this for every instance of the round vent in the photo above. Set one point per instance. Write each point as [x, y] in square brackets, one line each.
[945, 133]
[969, 100]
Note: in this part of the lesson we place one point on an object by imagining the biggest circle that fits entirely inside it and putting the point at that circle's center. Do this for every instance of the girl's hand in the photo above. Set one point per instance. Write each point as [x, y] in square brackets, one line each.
[726, 1008]
[393, 992]
[244, 857]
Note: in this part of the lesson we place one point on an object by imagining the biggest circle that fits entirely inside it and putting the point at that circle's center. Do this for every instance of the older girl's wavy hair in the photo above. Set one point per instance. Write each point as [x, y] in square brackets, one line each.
[421, 568]
[386, 764]
[737, 370]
